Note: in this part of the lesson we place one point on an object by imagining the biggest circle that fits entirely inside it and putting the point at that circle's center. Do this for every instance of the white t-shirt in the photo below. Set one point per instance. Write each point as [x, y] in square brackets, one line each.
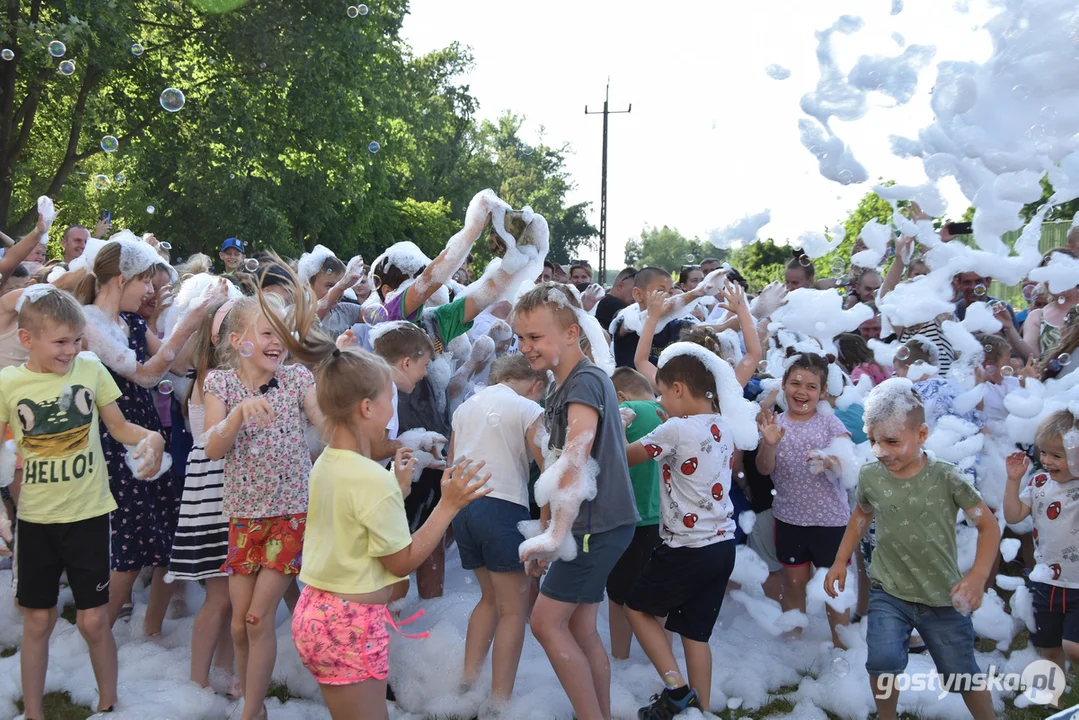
[993, 401]
[394, 426]
[695, 455]
[1055, 509]
[491, 426]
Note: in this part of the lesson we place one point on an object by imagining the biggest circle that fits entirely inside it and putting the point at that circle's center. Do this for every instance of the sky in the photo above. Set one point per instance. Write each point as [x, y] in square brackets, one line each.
[711, 137]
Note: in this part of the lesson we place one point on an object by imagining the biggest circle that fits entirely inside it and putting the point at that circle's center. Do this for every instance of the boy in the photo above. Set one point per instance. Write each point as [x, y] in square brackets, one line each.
[1052, 497]
[915, 574]
[56, 399]
[232, 255]
[583, 424]
[635, 394]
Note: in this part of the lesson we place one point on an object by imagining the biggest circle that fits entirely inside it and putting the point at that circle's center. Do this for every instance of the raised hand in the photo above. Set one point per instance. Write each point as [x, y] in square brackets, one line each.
[460, 486]
[1016, 464]
[768, 424]
[592, 295]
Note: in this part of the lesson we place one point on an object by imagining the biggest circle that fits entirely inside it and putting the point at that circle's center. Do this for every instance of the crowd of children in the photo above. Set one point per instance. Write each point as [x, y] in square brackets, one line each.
[317, 432]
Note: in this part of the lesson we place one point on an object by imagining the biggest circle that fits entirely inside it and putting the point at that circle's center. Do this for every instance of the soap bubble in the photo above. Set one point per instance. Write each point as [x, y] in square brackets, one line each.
[110, 144]
[362, 9]
[376, 281]
[990, 369]
[1048, 112]
[101, 182]
[846, 177]
[1030, 292]
[67, 67]
[840, 667]
[1055, 365]
[773, 492]
[165, 245]
[57, 48]
[247, 349]
[805, 260]
[1064, 358]
[119, 178]
[251, 264]
[689, 259]
[1061, 300]
[137, 49]
[374, 147]
[874, 78]
[150, 209]
[839, 267]
[172, 99]
[1007, 371]
[7, 54]
[980, 290]
[353, 11]
[1021, 91]
[987, 348]
[165, 387]
[762, 366]
[494, 419]
[374, 314]
[902, 353]
[232, 176]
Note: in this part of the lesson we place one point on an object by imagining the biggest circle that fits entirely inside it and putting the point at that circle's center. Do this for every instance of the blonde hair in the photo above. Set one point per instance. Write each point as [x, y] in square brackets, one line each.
[54, 306]
[540, 297]
[239, 319]
[205, 356]
[1054, 427]
[515, 367]
[300, 332]
[196, 264]
[344, 379]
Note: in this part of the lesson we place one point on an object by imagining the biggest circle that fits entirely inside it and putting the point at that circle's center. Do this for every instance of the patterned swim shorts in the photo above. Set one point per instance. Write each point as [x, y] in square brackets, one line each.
[275, 543]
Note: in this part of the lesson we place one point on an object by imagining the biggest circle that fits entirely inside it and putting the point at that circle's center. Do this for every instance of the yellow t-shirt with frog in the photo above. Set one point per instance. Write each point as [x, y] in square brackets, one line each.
[355, 515]
[55, 422]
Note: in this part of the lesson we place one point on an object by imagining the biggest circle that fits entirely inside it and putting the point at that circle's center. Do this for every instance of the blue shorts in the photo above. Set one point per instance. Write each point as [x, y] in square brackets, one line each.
[948, 635]
[1054, 622]
[486, 534]
[583, 579]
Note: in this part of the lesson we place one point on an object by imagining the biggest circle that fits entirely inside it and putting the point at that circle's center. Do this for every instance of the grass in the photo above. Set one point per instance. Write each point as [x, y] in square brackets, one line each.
[58, 706]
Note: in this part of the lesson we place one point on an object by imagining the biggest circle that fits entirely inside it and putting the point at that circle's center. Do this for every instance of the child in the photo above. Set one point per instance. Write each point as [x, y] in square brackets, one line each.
[918, 359]
[408, 351]
[857, 359]
[582, 424]
[635, 394]
[686, 577]
[997, 384]
[810, 508]
[58, 397]
[1051, 497]
[358, 543]
[257, 411]
[915, 573]
[329, 278]
[498, 425]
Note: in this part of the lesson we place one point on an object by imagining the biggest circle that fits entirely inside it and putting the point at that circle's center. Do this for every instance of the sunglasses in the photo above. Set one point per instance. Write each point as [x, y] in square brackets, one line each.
[583, 263]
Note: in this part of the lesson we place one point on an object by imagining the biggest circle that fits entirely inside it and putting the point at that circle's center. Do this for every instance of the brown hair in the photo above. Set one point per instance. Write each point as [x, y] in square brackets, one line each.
[629, 381]
[331, 265]
[344, 379]
[54, 306]
[704, 336]
[918, 350]
[1068, 343]
[1053, 427]
[853, 351]
[515, 367]
[810, 362]
[649, 275]
[204, 354]
[540, 296]
[404, 340]
[995, 346]
[692, 373]
[106, 267]
[795, 263]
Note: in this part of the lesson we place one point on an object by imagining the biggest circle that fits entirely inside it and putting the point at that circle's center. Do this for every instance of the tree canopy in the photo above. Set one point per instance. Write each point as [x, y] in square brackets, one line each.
[284, 100]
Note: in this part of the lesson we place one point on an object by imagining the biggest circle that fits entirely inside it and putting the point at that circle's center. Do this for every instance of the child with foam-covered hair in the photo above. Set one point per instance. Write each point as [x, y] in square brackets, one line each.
[914, 499]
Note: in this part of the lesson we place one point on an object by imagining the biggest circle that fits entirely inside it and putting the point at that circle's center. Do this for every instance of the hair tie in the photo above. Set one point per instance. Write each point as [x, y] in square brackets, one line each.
[830, 358]
[337, 352]
[219, 317]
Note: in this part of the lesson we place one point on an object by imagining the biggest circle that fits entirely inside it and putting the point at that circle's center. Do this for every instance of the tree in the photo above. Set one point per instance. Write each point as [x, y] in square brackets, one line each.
[665, 248]
[761, 262]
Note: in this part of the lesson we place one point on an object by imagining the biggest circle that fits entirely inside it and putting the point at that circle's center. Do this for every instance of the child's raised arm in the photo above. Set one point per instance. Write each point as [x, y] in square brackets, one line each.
[771, 434]
[734, 301]
[642, 361]
[1015, 510]
[860, 518]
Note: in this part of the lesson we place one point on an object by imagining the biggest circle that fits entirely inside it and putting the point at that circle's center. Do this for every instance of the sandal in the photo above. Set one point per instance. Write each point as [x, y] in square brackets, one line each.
[125, 612]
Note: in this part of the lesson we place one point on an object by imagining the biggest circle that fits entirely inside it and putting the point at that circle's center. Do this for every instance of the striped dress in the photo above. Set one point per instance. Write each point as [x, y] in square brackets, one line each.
[202, 534]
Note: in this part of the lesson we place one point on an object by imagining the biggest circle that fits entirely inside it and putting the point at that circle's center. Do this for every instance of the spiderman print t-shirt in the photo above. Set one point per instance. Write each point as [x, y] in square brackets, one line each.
[695, 456]
[1055, 509]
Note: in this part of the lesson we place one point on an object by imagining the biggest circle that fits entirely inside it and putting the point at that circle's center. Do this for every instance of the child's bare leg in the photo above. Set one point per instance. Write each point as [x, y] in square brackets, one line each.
[836, 619]
[511, 603]
[862, 608]
[621, 631]
[699, 669]
[270, 587]
[241, 590]
[97, 631]
[1071, 651]
[773, 586]
[795, 580]
[482, 624]
[34, 660]
[205, 633]
[15, 488]
[885, 696]
[1055, 655]
[657, 645]
[550, 624]
[980, 704]
[431, 574]
[363, 701]
[582, 625]
[292, 596]
[120, 584]
[160, 594]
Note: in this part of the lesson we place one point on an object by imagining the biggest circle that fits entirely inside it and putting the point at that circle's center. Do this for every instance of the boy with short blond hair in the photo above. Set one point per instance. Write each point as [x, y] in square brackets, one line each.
[54, 403]
[915, 573]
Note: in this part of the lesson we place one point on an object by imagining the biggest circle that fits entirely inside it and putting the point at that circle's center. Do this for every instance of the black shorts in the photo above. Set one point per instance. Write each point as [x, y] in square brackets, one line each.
[420, 503]
[43, 552]
[798, 545]
[1054, 622]
[687, 585]
[628, 568]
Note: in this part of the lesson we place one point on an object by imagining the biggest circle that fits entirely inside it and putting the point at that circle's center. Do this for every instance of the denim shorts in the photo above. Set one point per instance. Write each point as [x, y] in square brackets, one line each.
[1053, 620]
[583, 579]
[948, 635]
[486, 534]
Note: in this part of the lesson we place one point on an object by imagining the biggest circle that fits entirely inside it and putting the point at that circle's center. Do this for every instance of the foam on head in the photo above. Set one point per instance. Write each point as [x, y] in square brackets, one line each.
[41, 304]
[891, 405]
[310, 264]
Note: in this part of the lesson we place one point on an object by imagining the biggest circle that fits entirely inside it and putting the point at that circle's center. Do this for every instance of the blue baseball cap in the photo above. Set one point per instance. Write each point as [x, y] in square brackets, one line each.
[232, 243]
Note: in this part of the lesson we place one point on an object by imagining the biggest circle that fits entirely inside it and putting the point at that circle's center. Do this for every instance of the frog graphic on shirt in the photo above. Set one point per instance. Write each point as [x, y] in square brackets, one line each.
[52, 431]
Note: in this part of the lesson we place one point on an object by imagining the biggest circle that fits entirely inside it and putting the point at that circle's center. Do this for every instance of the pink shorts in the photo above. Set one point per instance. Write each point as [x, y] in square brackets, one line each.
[342, 642]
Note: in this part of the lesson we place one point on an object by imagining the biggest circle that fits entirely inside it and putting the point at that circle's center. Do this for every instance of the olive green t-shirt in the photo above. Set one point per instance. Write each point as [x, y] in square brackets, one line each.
[915, 556]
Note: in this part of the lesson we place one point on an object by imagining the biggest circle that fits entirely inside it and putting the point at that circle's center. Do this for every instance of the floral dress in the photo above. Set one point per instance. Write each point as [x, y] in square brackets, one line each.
[144, 523]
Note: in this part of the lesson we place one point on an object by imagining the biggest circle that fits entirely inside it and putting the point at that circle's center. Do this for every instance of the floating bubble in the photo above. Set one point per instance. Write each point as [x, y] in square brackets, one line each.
[1061, 300]
[846, 177]
[232, 176]
[247, 349]
[840, 667]
[67, 67]
[980, 290]
[57, 48]
[377, 281]
[251, 264]
[990, 369]
[353, 11]
[362, 9]
[762, 366]
[874, 78]
[7, 54]
[119, 178]
[1030, 292]
[172, 99]
[773, 492]
[1022, 91]
[101, 182]
[494, 419]
[1048, 112]
[902, 353]
[987, 348]
[839, 267]
[165, 387]
[110, 144]
[1007, 370]
[165, 245]
[137, 49]
[374, 147]
[1064, 358]
[374, 314]
[150, 209]
[689, 259]
[805, 260]
[843, 279]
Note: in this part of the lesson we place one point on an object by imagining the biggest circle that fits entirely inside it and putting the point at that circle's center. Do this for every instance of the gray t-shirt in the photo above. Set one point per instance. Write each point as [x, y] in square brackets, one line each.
[614, 505]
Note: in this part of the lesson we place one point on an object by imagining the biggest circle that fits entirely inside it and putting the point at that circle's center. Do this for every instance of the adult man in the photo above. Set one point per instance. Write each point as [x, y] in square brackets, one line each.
[74, 242]
[548, 272]
[708, 265]
[970, 287]
[619, 296]
[232, 255]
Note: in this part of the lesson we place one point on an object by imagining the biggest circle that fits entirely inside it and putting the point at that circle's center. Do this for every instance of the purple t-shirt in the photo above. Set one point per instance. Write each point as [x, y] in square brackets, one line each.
[803, 498]
[394, 308]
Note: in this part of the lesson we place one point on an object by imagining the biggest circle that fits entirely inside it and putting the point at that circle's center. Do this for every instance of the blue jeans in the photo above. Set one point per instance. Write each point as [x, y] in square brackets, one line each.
[948, 635]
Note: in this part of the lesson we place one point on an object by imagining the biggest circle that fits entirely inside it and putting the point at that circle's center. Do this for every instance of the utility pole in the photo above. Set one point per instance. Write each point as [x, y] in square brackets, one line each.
[603, 193]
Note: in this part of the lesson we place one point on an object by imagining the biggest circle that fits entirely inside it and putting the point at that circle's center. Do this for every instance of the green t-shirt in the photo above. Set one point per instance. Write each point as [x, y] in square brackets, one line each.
[448, 321]
[915, 556]
[645, 477]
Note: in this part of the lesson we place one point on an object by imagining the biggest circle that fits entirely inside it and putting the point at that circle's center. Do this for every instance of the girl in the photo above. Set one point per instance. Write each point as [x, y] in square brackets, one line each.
[326, 275]
[1043, 326]
[498, 425]
[690, 277]
[811, 510]
[358, 539]
[143, 525]
[857, 359]
[257, 411]
[800, 272]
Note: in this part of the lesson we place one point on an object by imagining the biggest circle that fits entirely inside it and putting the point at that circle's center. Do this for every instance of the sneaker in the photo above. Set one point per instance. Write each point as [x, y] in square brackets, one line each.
[664, 707]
